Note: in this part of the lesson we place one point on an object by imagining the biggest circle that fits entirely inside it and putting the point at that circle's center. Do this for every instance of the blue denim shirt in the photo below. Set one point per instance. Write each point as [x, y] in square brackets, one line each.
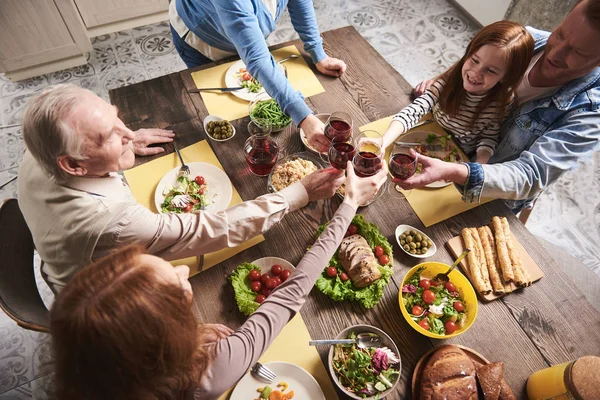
[241, 26]
[540, 140]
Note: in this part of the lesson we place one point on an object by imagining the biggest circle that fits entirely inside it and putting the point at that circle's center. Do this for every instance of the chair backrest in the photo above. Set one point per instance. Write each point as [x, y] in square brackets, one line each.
[19, 295]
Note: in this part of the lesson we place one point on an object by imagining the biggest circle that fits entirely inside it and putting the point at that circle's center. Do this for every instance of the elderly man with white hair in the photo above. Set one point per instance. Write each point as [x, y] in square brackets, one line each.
[78, 208]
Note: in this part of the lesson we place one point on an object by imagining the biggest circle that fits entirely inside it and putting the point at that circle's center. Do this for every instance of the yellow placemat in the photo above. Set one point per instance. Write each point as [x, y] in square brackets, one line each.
[432, 205]
[292, 346]
[227, 106]
[143, 180]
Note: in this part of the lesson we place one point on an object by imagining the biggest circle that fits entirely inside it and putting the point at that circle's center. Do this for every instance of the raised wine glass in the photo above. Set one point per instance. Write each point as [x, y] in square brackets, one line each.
[341, 151]
[369, 153]
[402, 164]
[338, 127]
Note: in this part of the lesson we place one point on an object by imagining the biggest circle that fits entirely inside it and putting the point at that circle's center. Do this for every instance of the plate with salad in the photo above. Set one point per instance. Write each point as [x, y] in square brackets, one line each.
[292, 382]
[365, 373]
[436, 309]
[436, 146]
[207, 187]
[238, 75]
[363, 281]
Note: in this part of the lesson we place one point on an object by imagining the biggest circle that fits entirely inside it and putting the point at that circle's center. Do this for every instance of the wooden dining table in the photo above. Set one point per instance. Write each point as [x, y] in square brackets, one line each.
[548, 323]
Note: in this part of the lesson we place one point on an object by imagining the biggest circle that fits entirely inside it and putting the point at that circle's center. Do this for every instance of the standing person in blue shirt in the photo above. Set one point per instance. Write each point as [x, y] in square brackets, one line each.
[557, 123]
[209, 30]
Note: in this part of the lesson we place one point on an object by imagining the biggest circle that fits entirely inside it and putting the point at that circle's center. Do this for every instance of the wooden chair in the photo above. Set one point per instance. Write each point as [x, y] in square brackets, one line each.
[19, 296]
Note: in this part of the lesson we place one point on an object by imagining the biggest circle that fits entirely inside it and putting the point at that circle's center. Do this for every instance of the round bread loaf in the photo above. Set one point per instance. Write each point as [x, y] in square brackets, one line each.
[449, 374]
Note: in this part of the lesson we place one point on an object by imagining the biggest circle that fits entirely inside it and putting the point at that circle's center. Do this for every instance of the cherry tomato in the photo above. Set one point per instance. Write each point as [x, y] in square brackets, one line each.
[254, 275]
[424, 324]
[331, 272]
[200, 191]
[276, 269]
[352, 229]
[428, 296]
[434, 282]
[188, 208]
[450, 287]
[264, 278]
[416, 310]
[265, 291]
[378, 251]
[344, 277]
[384, 260]
[271, 284]
[450, 327]
[246, 76]
[278, 281]
[284, 275]
[458, 306]
[200, 180]
[260, 298]
[256, 286]
[425, 283]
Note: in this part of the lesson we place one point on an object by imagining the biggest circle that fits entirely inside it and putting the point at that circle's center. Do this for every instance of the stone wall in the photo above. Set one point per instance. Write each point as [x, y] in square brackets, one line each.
[541, 14]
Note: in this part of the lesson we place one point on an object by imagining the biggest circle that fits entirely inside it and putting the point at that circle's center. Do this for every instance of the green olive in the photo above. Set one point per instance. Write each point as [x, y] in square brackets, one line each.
[430, 243]
[417, 245]
[413, 245]
[409, 239]
[413, 251]
[424, 249]
[403, 236]
[229, 134]
[413, 232]
[424, 243]
[419, 237]
[406, 247]
[211, 124]
[403, 242]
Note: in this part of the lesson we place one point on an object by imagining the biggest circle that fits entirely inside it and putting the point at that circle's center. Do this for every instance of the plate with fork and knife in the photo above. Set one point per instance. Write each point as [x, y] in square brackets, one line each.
[295, 378]
[216, 187]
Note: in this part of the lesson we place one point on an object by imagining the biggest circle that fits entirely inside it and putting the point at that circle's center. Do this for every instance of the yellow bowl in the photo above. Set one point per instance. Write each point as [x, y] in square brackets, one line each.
[463, 286]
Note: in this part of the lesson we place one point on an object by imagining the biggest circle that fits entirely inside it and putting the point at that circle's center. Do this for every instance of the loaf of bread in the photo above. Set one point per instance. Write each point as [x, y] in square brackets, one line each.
[490, 379]
[358, 260]
[449, 374]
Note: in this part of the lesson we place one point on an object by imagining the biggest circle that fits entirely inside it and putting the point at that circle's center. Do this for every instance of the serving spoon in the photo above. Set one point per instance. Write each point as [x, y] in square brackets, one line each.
[363, 340]
[444, 277]
[287, 58]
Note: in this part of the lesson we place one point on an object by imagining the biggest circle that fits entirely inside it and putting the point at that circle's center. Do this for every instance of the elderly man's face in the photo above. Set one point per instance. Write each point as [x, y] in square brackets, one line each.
[572, 50]
[107, 141]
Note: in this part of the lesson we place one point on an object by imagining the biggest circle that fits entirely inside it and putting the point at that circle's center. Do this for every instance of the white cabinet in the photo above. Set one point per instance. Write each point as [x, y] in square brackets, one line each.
[485, 11]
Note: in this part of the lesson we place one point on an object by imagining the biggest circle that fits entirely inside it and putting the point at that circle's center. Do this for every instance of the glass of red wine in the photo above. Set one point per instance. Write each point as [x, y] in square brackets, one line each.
[338, 127]
[368, 159]
[341, 151]
[402, 164]
[261, 150]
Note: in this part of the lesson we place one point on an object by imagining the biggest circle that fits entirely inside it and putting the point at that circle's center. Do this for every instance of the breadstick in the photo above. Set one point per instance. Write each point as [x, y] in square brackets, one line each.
[502, 251]
[482, 263]
[490, 256]
[507, 286]
[473, 262]
[521, 276]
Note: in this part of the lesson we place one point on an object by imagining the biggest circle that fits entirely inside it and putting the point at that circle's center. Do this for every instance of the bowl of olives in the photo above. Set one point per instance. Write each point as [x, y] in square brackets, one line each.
[218, 129]
[414, 242]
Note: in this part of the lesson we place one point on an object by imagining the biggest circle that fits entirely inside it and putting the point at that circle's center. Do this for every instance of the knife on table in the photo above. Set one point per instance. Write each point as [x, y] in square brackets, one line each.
[222, 89]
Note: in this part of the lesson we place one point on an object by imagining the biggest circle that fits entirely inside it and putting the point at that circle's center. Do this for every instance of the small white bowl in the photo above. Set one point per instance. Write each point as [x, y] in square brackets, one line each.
[266, 263]
[215, 118]
[400, 229]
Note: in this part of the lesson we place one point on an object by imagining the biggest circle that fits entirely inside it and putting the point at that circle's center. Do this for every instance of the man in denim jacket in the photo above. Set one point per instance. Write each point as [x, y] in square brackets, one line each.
[556, 127]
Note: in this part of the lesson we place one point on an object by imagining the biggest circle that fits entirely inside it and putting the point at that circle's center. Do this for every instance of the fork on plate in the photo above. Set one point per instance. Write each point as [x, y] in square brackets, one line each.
[263, 372]
[184, 170]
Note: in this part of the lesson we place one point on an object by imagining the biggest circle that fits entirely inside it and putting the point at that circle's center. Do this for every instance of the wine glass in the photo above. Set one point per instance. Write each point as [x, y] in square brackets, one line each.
[341, 151]
[368, 159]
[402, 164]
[261, 150]
[338, 126]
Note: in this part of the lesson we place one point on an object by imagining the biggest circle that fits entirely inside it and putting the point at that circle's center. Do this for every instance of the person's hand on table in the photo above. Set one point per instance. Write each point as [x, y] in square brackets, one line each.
[313, 129]
[146, 137]
[331, 66]
[323, 183]
[216, 332]
[422, 87]
[434, 170]
[361, 190]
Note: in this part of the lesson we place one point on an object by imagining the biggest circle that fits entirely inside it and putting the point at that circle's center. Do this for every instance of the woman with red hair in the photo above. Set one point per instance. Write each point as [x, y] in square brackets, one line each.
[123, 327]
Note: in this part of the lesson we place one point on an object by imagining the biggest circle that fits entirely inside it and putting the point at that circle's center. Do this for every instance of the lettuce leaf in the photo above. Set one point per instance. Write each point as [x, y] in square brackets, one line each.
[370, 295]
[244, 297]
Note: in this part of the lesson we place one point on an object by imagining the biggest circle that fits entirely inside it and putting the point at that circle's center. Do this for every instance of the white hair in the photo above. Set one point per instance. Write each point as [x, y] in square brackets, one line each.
[47, 136]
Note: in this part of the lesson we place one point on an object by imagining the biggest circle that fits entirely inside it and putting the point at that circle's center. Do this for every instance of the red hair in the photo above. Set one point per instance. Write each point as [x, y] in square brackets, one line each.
[118, 332]
[517, 45]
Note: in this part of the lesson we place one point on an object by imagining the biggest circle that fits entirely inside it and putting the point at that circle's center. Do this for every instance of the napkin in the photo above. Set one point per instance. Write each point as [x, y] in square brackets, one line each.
[291, 345]
[432, 205]
[143, 179]
[229, 107]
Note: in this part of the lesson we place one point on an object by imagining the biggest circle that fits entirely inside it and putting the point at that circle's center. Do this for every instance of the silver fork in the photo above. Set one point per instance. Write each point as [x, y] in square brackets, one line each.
[263, 372]
[184, 170]
[201, 256]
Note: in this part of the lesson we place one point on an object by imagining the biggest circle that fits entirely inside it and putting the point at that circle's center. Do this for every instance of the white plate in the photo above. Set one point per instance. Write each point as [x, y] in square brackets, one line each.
[210, 118]
[420, 136]
[219, 186]
[232, 81]
[403, 228]
[266, 263]
[303, 384]
[323, 118]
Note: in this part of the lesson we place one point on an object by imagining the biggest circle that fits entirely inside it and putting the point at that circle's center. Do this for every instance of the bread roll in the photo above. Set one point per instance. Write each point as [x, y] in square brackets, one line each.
[490, 379]
[449, 374]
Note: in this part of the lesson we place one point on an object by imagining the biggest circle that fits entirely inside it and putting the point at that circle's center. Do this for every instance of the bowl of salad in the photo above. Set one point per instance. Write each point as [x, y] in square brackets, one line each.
[435, 309]
[368, 373]
[264, 107]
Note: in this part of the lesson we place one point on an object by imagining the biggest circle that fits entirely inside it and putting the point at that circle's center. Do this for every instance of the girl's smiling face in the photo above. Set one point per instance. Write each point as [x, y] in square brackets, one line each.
[484, 69]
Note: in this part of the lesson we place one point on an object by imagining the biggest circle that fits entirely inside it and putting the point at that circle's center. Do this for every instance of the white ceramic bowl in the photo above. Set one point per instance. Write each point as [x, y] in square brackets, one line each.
[400, 229]
[266, 263]
[215, 118]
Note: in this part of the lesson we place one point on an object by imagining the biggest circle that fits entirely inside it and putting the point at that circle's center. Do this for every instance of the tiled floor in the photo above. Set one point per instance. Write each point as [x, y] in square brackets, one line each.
[419, 38]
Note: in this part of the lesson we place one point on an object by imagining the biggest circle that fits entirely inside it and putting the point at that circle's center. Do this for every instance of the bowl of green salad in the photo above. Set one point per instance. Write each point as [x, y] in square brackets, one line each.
[265, 107]
[365, 373]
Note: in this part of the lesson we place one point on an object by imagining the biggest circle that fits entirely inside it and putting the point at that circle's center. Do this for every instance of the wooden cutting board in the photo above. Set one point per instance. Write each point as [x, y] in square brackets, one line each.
[456, 247]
